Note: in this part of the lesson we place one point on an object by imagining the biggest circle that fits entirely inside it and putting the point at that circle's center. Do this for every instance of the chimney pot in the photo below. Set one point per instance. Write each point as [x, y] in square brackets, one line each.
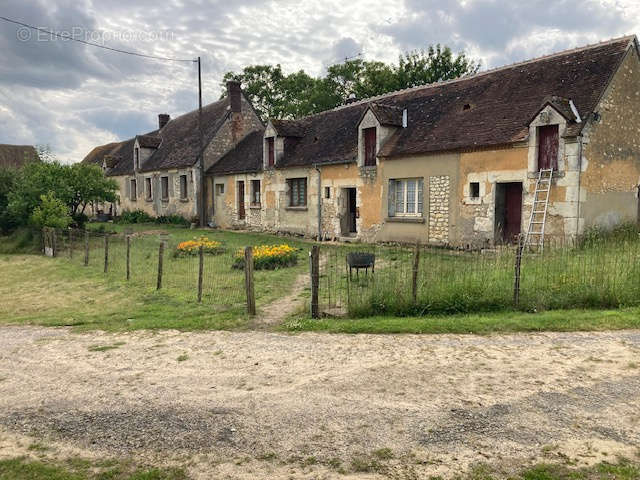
[163, 119]
[234, 90]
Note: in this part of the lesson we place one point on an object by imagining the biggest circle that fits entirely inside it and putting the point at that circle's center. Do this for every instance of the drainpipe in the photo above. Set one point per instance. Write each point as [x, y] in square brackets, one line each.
[319, 203]
[579, 179]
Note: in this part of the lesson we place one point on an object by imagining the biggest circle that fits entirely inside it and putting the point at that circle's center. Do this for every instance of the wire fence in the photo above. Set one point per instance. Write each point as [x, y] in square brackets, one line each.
[152, 262]
[368, 280]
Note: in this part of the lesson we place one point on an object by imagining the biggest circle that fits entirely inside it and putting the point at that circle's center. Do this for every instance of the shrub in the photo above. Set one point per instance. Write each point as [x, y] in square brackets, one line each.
[192, 247]
[135, 216]
[172, 220]
[52, 212]
[269, 257]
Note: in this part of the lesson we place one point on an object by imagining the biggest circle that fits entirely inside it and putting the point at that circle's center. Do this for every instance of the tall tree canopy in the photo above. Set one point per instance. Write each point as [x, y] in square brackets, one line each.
[277, 95]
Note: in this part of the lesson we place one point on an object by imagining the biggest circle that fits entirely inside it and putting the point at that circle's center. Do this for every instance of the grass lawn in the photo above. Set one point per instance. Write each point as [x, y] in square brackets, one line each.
[502, 322]
[80, 469]
[61, 291]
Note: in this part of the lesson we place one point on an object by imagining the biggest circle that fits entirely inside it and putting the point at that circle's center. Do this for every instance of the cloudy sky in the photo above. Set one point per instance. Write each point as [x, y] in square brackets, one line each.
[73, 97]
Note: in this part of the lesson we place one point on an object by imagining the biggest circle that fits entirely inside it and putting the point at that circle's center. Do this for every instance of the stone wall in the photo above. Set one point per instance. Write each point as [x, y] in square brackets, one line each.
[439, 191]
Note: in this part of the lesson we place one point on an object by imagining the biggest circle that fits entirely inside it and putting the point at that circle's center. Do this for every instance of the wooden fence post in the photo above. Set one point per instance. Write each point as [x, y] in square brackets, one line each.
[160, 260]
[516, 279]
[128, 257]
[315, 280]
[200, 272]
[106, 252]
[248, 280]
[414, 277]
[86, 248]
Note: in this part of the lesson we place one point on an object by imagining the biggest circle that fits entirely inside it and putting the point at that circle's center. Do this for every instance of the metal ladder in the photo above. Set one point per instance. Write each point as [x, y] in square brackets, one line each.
[535, 234]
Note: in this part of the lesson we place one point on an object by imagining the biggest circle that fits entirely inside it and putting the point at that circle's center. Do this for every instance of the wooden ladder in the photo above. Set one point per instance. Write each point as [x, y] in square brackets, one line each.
[534, 240]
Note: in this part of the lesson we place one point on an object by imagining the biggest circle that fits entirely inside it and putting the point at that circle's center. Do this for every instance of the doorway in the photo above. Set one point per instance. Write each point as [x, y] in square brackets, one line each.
[508, 215]
[349, 212]
[241, 210]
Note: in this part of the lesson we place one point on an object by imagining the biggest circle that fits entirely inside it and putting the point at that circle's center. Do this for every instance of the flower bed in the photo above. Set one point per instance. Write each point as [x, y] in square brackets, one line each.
[269, 257]
[192, 247]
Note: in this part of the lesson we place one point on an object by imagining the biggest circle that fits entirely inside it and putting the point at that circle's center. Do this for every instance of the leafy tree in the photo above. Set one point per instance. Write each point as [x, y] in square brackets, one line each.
[7, 181]
[276, 95]
[52, 212]
[76, 186]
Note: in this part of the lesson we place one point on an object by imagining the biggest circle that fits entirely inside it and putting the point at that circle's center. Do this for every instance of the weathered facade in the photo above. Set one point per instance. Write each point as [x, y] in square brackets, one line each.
[452, 163]
[159, 172]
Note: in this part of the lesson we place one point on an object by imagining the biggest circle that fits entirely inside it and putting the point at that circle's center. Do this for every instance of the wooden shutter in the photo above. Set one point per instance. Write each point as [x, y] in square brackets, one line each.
[420, 195]
[548, 140]
[370, 147]
[391, 199]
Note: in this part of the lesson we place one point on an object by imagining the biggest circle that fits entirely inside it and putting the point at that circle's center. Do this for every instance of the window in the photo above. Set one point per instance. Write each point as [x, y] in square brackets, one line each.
[370, 147]
[548, 147]
[474, 190]
[255, 192]
[220, 188]
[297, 192]
[147, 189]
[134, 190]
[183, 187]
[164, 183]
[405, 197]
[327, 192]
[136, 158]
[271, 153]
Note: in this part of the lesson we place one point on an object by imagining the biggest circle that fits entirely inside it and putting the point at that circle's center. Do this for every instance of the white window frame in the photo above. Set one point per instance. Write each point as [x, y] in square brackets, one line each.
[405, 195]
[256, 194]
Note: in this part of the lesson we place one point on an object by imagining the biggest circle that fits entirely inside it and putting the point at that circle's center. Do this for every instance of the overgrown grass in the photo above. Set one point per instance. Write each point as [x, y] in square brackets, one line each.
[80, 469]
[602, 271]
[495, 322]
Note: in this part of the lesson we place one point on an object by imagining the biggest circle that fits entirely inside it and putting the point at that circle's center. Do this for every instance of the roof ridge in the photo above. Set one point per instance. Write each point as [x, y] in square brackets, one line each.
[476, 75]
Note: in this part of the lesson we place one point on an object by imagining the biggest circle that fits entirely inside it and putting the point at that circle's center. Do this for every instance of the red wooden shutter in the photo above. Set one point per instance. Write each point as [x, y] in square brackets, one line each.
[272, 159]
[241, 212]
[370, 147]
[548, 147]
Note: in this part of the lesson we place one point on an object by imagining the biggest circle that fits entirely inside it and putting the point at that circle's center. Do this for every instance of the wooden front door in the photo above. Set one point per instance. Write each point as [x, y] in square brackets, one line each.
[513, 211]
[548, 147]
[241, 211]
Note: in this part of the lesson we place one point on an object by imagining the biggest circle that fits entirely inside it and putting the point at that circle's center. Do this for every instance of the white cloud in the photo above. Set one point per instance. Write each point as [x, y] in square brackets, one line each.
[74, 97]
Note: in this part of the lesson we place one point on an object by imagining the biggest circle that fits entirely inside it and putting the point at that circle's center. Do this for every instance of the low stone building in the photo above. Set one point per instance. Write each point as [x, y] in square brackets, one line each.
[454, 162]
[159, 171]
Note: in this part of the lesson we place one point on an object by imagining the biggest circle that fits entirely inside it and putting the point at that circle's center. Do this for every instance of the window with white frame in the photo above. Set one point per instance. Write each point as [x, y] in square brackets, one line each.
[255, 193]
[405, 197]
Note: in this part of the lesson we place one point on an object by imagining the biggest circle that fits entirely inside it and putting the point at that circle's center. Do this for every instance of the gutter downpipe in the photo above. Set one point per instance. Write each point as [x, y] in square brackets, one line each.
[579, 181]
[319, 202]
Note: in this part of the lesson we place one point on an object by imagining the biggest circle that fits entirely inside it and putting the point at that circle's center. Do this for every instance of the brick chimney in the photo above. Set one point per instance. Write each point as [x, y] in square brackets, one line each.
[163, 119]
[235, 96]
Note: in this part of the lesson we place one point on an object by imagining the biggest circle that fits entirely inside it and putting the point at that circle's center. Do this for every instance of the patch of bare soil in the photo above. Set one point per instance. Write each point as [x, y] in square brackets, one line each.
[265, 405]
[278, 310]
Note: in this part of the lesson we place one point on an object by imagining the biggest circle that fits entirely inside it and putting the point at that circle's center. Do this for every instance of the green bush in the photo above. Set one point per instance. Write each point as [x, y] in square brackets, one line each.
[172, 220]
[135, 216]
[52, 212]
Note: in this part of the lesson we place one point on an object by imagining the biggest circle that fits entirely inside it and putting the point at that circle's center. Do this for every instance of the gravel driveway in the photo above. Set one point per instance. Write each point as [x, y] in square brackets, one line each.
[259, 404]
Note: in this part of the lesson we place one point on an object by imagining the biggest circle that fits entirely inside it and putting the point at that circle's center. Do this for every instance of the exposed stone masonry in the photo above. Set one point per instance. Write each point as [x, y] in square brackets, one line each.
[439, 209]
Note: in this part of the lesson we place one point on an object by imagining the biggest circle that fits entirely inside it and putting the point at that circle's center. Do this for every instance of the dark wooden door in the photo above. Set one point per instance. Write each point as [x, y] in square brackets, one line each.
[548, 147]
[513, 211]
[352, 210]
[370, 147]
[241, 211]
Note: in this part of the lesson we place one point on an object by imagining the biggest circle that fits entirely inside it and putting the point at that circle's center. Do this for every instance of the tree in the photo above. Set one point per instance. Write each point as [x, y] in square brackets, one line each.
[276, 95]
[52, 212]
[75, 186]
[7, 181]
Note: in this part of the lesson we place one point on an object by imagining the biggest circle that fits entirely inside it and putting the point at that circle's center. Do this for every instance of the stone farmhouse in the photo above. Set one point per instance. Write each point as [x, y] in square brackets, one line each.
[452, 163]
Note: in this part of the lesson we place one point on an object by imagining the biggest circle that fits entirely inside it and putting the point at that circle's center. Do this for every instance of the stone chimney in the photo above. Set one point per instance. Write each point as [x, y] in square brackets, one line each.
[163, 119]
[235, 96]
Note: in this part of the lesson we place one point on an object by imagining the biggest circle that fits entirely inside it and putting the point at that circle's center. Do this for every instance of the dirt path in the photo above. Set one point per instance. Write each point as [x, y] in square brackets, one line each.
[274, 313]
[266, 405]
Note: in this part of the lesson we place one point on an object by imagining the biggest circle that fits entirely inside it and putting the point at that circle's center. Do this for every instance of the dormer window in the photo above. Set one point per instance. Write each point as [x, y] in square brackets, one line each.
[271, 152]
[136, 158]
[370, 146]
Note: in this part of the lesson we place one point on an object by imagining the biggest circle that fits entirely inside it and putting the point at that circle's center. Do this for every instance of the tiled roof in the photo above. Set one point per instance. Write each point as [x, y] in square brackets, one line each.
[288, 128]
[17, 155]
[149, 141]
[387, 114]
[245, 157]
[486, 109]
